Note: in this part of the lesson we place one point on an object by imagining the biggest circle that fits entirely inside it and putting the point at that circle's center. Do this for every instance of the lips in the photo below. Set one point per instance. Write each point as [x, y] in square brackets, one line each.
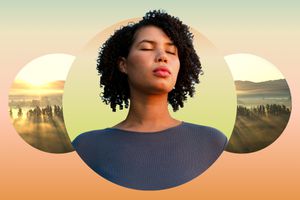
[162, 72]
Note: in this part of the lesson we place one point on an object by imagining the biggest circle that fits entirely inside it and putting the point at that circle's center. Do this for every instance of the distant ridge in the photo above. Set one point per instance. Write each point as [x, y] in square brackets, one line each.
[58, 85]
[267, 86]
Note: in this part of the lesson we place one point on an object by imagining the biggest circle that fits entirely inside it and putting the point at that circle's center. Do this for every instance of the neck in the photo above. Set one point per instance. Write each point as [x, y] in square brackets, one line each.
[148, 113]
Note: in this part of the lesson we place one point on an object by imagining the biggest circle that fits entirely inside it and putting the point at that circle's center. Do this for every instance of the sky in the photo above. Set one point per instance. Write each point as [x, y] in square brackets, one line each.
[45, 69]
[248, 67]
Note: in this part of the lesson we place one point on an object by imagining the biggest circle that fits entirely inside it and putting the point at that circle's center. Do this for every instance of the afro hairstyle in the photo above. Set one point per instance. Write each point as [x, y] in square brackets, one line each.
[116, 89]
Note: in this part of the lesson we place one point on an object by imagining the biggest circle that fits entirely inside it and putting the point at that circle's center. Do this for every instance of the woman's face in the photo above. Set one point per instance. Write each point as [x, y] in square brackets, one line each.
[152, 64]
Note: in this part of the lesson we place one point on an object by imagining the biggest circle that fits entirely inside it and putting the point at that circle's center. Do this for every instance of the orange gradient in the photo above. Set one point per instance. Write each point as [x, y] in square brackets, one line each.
[269, 30]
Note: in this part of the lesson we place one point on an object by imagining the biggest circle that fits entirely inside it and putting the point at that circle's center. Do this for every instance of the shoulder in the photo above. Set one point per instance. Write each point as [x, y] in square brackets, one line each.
[86, 139]
[207, 134]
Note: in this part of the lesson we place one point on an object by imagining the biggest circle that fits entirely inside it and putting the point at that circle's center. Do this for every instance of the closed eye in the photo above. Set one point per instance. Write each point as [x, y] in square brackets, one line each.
[170, 52]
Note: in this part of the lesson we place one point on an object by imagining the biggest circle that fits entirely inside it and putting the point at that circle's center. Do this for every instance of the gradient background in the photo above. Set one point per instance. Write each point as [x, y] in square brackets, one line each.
[84, 110]
[267, 29]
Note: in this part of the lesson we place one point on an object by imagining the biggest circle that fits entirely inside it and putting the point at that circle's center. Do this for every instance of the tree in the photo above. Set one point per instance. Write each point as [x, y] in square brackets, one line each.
[20, 113]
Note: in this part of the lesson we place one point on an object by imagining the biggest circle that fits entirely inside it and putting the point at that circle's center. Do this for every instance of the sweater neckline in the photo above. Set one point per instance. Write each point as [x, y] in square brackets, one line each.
[147, 132]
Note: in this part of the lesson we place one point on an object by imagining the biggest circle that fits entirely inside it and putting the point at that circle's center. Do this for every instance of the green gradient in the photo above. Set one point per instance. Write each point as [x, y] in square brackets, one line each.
[88, 14]
[214, 103]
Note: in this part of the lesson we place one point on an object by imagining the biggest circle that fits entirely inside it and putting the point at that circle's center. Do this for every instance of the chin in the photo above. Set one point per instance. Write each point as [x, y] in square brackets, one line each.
[161, 90]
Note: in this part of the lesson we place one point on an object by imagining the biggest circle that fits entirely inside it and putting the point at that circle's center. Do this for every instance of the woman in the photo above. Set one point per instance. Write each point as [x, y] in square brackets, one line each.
[151, 63]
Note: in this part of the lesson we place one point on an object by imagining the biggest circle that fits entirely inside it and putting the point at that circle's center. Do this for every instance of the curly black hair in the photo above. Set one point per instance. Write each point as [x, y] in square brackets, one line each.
[116, 88]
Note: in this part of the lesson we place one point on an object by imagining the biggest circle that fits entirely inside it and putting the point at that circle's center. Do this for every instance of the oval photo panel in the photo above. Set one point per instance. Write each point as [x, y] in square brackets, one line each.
[263, 103]
[35, 103]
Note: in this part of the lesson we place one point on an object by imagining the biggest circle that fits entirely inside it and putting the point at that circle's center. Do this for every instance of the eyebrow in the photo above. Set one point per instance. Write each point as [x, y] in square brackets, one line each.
[153, 42]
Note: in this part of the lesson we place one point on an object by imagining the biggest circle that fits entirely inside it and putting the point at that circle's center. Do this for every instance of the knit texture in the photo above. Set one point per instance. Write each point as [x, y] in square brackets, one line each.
[151, 160]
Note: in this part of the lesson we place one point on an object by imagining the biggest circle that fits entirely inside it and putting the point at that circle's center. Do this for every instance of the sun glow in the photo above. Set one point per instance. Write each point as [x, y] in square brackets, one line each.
[248, 67]
[36, 82]
[46, 69]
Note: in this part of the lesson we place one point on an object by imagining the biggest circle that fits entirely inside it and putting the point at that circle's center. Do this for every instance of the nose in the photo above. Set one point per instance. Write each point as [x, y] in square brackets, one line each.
[161, 57]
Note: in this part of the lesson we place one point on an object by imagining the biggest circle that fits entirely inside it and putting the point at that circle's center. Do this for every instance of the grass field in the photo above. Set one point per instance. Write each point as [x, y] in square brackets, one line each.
[254, 133]
[50, 136]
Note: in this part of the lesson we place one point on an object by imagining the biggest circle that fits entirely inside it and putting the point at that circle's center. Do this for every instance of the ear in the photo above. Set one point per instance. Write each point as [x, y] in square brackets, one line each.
[122, 65]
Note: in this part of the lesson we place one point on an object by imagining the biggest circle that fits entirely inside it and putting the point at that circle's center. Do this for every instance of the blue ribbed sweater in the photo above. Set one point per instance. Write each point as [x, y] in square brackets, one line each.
[151, 160]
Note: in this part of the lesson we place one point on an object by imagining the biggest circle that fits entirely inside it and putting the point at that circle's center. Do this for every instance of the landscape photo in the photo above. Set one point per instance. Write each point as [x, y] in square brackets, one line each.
[263, 111]
[36, 113]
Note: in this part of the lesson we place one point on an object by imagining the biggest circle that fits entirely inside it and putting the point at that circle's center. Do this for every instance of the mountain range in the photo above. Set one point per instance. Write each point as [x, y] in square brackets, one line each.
[279, 86]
